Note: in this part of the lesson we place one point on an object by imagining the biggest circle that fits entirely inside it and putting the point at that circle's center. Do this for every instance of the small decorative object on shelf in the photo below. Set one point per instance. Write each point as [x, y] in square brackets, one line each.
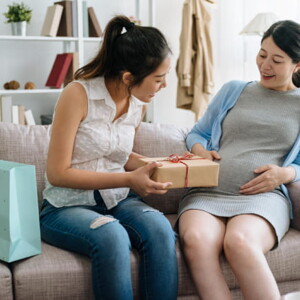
[18, 15]
[29, 85]
[46, 119]
[11, 85]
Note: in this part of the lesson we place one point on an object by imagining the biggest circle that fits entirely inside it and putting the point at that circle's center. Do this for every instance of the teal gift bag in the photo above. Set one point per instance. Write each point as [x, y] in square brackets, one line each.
[20, 235]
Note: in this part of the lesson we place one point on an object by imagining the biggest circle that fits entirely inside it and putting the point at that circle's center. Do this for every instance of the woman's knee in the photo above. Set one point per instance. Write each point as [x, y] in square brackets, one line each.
[106, 232]
[157, 225]
[238, 244]
[202, 241]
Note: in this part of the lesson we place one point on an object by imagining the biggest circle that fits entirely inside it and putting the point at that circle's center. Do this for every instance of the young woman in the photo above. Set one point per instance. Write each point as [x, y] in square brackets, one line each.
[252, 129]
[89, 207]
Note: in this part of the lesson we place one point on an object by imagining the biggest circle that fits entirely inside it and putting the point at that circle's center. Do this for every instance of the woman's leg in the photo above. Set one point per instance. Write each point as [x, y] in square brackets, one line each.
[100, 237]
[152, 235]
[201, 235]
[247, 239]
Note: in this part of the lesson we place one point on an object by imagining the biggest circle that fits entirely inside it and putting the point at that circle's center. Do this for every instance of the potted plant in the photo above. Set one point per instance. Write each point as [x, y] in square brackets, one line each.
[18, 15]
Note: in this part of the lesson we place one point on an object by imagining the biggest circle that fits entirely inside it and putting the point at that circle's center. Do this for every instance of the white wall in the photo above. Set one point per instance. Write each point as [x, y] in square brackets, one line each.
[234, 54]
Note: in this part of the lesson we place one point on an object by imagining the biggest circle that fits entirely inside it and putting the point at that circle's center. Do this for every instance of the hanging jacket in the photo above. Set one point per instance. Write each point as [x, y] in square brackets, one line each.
[195, 62]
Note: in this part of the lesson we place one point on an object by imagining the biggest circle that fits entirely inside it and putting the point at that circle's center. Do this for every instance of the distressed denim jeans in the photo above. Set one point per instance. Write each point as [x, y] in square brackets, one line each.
[106, 236]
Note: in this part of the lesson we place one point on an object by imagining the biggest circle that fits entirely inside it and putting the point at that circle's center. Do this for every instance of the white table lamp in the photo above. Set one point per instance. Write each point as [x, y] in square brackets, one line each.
[259, 24]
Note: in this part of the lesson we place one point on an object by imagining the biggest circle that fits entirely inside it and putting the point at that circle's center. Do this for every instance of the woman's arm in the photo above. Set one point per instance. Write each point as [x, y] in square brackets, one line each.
[202, 131]
[208, 127]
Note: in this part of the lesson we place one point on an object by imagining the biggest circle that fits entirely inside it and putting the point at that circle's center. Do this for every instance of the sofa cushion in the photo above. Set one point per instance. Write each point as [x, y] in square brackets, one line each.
[54, 274]
[58, 274]
[28, 145]
[167, 203]
[6, 290]
[156, 140]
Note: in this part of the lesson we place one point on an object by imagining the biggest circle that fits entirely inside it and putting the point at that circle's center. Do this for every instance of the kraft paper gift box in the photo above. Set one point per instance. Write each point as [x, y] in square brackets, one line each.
[192, 172]
[19, 214]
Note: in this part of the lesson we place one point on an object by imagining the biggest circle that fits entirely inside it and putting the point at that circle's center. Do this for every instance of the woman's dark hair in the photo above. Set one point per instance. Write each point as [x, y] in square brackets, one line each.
[127, 47]
[286, 35]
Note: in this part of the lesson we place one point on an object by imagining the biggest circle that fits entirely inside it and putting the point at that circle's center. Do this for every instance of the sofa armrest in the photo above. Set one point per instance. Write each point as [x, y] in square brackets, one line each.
[294, 193]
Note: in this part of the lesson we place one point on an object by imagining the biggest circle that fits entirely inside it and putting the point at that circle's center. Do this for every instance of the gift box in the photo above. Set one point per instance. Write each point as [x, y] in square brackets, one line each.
[184, 171]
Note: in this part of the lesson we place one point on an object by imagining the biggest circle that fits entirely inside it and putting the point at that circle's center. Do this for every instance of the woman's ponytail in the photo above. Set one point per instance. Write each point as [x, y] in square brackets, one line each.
[127, 47]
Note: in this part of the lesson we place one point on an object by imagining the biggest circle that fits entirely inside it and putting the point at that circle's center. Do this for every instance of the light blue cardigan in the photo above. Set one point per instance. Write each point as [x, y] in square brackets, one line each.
[208, 130]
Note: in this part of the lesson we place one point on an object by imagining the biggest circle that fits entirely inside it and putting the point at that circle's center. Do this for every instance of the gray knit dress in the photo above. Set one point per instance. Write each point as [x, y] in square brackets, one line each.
[260, 129]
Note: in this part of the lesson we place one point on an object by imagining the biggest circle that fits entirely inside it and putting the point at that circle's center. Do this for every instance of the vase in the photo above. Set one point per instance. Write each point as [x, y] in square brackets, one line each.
[19, 28]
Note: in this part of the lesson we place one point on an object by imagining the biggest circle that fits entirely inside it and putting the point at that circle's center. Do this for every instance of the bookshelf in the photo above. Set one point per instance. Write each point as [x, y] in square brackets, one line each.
[67, 44]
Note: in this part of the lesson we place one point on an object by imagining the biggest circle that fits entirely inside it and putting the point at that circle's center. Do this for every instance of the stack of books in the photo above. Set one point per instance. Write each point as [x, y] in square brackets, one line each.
[14, 113]
[61, 20]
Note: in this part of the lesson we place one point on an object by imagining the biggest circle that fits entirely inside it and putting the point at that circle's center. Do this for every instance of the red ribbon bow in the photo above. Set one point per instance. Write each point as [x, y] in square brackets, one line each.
[175, 158]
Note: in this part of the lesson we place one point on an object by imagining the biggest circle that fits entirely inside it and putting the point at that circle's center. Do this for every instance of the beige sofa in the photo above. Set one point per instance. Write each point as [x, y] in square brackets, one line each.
[58, 274]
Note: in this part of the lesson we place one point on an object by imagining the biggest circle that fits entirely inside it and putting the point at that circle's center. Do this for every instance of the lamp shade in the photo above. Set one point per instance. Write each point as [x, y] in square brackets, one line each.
[259, 24]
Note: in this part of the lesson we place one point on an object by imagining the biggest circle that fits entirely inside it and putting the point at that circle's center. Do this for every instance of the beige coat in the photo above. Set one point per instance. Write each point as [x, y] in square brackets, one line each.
[195, 62]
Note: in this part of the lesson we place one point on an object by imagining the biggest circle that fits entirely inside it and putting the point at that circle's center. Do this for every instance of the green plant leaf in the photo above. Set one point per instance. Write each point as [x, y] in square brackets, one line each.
[18, 12]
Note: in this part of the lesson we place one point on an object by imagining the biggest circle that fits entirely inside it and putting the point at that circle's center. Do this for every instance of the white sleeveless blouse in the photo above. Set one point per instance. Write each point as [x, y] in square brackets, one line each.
[101, 145]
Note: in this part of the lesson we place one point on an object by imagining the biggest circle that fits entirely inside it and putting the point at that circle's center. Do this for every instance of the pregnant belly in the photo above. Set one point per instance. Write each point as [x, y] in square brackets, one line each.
[234, 173]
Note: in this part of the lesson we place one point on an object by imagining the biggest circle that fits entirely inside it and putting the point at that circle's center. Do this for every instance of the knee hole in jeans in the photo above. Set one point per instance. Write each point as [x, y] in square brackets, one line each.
[101, 221]
[151, 210]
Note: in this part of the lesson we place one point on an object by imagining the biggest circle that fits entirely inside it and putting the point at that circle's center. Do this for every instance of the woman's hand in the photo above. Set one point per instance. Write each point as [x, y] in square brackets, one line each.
[199, 150]
[271, 176]
[141, 183]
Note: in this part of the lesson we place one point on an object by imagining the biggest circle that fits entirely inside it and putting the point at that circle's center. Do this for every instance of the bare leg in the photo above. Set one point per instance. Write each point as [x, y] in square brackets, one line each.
[202, 236]
[247, 239]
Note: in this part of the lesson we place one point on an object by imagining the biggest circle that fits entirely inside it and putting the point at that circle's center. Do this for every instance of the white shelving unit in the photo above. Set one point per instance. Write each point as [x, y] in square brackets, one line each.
[66, 42]
[34, 91]
[71, 44]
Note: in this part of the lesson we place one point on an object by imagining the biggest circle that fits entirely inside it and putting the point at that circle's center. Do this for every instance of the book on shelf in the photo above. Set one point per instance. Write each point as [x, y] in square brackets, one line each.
[52, 20]
[29, 119]
[85, 19]
[65, 27]
[15, 114]
[21, 110]
[72, 69]
[6, 108]
[59, 70]
[94, 26]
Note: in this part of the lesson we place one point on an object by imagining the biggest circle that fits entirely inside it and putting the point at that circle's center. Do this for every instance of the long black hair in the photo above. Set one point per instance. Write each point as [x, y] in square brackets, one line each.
[127, 47]
[286, 35]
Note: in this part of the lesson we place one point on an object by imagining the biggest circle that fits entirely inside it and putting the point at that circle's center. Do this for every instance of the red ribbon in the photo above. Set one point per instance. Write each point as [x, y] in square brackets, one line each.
[175, 158]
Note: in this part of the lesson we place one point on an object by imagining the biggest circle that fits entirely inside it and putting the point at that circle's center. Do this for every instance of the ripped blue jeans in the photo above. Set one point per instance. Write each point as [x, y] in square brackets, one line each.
[106, 236]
